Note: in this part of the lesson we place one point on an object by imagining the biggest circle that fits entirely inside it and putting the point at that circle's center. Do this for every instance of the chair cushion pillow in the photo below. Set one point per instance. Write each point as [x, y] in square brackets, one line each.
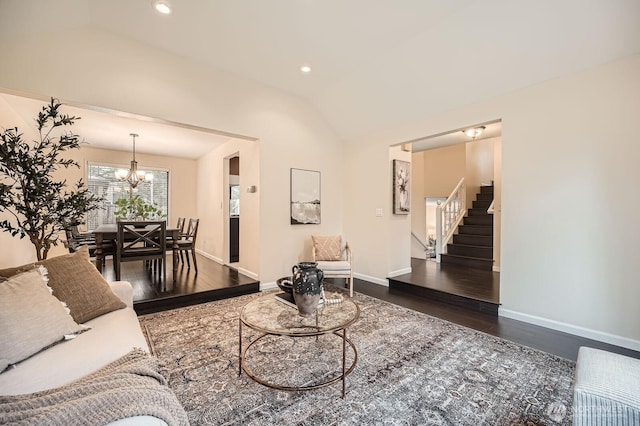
[341, 266]
[327, 247]
[31, 318]
[77, 282]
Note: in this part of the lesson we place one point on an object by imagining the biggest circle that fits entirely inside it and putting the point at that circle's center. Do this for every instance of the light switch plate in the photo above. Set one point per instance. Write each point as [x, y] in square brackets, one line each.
[378, 212]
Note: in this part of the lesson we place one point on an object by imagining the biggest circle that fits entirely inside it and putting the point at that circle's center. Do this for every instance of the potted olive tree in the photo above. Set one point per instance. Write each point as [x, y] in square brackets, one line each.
[34, 203]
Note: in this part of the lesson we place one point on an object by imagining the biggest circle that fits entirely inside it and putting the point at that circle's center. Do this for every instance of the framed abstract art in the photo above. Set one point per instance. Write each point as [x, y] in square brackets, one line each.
[305, 197]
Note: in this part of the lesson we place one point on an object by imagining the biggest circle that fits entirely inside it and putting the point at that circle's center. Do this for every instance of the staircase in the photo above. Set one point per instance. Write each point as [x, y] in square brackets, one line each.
[473, 244]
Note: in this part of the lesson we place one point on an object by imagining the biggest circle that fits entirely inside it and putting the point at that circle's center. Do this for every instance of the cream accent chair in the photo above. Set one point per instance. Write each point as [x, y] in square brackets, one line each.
[333, 257]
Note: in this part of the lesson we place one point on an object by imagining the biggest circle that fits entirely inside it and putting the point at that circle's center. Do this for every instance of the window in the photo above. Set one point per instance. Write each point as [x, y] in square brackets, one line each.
[234, 202]
[102, 182]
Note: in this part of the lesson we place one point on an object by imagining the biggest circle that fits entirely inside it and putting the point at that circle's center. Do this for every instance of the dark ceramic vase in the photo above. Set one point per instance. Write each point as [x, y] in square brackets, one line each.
[307, 287]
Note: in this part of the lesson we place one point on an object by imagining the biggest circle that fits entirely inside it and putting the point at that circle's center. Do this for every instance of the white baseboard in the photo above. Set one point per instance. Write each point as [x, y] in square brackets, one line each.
[248, 273]
[210, 256]
[268, 286]
[588, 333]
[373, 280]
[243, 271]
[496, 269]
[400, 272]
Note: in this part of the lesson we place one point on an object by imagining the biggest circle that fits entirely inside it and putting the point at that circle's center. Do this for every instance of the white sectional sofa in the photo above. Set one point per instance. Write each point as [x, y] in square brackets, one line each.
[112, 335]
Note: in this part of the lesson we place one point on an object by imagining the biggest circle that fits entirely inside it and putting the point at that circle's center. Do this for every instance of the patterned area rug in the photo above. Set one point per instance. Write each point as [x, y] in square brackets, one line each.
[412, 369]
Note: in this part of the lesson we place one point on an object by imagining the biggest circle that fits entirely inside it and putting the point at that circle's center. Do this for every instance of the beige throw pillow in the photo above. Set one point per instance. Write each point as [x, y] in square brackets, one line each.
[77, 282]
[327, 248]
[31, 318]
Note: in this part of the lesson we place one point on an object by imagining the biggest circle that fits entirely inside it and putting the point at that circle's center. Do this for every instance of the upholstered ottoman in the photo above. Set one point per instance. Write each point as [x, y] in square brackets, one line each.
[606, 390]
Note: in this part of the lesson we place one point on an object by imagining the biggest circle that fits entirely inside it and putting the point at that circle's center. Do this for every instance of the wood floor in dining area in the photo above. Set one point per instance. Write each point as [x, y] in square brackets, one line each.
[212, 282]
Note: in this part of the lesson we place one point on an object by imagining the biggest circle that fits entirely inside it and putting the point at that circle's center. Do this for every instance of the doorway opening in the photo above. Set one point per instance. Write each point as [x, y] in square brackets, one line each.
[233, 209]
[452, 169]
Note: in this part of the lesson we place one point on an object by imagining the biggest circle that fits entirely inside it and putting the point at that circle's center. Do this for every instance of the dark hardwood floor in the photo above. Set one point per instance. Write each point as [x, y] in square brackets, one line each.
[212, 282]
[473, 289]
[215, 281]
[547, 340]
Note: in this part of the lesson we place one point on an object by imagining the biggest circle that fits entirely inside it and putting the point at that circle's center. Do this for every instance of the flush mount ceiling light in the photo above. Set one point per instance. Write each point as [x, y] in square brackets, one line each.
[474, 132]
[162, 7]
[305, 69]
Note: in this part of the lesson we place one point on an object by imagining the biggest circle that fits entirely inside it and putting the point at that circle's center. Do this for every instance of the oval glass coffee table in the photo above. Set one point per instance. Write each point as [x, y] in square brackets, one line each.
[270, 317]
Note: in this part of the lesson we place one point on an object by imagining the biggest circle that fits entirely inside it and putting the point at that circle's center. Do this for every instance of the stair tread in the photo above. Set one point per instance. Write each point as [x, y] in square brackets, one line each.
[467, 257]
[468, 245]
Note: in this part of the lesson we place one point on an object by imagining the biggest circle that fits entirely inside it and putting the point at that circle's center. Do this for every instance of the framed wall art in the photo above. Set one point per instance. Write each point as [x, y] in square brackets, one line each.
[401, 187]
[305, 197]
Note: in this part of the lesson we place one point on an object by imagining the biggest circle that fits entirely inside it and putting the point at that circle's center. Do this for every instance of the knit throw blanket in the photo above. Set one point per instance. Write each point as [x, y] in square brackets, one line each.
[130, 386]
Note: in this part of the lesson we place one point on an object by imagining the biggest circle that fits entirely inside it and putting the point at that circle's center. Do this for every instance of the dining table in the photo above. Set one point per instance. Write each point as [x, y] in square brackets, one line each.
[108, 232]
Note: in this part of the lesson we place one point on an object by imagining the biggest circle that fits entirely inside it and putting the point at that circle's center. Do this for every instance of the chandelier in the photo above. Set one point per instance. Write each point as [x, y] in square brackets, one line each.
[133, 175]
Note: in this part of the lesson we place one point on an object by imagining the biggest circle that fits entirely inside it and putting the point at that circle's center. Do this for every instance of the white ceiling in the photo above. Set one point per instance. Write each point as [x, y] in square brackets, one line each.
[375, 63]
[111, 129]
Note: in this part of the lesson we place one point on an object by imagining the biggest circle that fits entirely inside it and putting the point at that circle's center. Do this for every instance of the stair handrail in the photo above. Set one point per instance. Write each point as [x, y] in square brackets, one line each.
[448, 217]
[424, 246]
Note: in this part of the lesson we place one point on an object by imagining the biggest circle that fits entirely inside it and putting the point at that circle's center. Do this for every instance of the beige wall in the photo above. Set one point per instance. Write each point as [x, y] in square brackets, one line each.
[124, 76]
[443, 169]
[569, 198]
[213, 205]
[418, 208]
[497, 202]
[479, 158]
[14, 251]
[398, 222]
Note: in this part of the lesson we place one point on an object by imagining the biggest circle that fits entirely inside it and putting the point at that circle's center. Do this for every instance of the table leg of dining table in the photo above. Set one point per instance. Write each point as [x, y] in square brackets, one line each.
[175, 257]
[99, 253]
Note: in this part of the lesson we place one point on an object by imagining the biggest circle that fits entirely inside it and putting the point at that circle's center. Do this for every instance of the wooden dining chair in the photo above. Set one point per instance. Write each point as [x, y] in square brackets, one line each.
[75, 240]
[138, 241]
[180, 225]
[188, 244]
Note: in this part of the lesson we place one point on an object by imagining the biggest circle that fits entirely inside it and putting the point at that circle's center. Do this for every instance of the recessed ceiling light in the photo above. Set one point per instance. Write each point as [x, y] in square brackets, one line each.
[305, 69]
[162, 7]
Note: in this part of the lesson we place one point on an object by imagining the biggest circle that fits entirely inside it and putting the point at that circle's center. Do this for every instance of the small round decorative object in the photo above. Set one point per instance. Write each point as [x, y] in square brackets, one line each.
[285, 284]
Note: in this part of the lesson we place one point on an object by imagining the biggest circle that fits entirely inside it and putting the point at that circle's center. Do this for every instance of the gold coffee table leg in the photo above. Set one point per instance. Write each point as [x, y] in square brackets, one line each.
[239, 348]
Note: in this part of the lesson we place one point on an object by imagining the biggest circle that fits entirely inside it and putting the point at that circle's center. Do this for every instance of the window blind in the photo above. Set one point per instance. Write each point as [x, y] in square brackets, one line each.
[101, 181]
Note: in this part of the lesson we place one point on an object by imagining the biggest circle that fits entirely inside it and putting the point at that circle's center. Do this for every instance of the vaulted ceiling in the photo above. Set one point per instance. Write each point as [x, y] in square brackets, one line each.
[375, 63]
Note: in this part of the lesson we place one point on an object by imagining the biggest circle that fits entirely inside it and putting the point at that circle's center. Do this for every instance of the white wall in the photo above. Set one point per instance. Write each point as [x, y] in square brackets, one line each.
[569, 199]
[95, 68]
